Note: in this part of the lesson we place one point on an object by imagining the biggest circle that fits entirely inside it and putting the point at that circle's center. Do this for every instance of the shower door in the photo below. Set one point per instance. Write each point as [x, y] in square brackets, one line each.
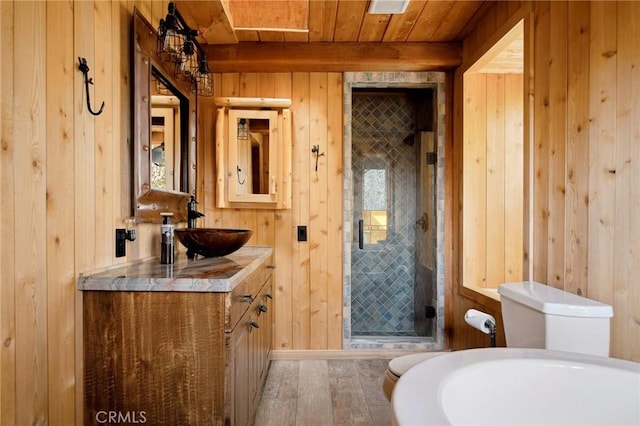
[383, 249]
[425, 294]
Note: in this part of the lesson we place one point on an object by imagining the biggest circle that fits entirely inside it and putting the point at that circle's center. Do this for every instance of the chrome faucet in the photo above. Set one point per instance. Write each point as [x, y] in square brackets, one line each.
[192, 213]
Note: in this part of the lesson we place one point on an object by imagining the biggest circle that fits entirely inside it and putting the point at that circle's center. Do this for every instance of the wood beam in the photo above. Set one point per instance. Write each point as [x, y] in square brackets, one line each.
[214, 22]
[333, 57]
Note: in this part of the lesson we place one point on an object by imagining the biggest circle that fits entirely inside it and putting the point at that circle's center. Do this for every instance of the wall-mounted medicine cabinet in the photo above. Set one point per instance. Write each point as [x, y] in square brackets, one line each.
[253, 153]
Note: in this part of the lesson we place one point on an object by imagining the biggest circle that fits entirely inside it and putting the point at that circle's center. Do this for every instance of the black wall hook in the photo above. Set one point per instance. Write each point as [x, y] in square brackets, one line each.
[87, 81]
[316, 151]
[238, 170]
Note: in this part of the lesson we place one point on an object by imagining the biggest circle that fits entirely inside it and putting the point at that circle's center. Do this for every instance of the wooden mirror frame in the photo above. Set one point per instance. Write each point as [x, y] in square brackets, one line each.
[279, 196]
[148, 201]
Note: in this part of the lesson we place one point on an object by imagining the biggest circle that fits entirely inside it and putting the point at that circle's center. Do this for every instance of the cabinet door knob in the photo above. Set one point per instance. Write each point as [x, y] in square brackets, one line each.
[247, 298]
[271, 266]
[254, 324]
[262, 308]
[269, 296]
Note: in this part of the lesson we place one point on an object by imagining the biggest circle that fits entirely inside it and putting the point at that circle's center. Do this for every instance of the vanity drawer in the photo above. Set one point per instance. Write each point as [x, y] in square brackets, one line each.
[242, 297]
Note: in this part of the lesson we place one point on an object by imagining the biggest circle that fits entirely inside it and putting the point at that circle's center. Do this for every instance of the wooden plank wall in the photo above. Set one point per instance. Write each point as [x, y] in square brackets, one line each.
[492, 178]
[586, 156]
[308, 275]
[65, 186]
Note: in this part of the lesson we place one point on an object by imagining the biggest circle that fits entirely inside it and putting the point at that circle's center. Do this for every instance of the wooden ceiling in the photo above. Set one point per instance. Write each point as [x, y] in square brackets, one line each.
[231, 21]
[306, 32]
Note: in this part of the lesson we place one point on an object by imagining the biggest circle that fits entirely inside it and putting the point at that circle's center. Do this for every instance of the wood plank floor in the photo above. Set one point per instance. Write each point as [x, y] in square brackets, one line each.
[324, 393]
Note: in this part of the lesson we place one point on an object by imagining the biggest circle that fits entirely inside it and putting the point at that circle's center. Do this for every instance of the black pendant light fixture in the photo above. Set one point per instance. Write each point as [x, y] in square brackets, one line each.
[177, 44]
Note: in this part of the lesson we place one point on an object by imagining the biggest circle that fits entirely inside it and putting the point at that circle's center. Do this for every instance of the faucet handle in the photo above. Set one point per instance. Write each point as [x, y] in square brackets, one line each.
[191, 205]
[192, 213]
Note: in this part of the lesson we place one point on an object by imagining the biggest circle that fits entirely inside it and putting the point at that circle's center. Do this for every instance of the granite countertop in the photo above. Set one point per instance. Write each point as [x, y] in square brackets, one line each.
[213, 274]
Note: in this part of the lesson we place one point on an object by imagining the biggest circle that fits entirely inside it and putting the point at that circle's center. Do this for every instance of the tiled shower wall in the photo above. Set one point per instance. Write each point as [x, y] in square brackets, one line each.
[383, 272]
[435, 81]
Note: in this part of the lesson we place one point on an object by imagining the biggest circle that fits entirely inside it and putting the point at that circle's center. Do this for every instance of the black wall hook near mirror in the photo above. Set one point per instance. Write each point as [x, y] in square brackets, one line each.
[316, 151]
[87, 81]
[238, 170]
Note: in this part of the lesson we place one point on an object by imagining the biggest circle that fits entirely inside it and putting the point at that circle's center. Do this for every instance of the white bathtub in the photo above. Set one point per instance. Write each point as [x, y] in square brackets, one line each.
[514, 386]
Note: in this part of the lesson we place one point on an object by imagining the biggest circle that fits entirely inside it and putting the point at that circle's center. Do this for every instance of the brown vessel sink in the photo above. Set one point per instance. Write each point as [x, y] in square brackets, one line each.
[212, 242]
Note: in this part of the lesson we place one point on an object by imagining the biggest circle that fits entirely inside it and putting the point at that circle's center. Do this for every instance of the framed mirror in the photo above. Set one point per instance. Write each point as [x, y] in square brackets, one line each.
[169, 115]
[252, 135]
[164, 132]
[253, 153]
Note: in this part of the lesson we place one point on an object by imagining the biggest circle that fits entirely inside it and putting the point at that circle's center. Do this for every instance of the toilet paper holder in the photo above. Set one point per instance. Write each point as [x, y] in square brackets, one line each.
[483, 322]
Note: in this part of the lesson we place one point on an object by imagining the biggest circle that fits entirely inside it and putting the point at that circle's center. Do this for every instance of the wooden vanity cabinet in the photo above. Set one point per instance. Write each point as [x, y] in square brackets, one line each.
[250, 349]
[178, 357]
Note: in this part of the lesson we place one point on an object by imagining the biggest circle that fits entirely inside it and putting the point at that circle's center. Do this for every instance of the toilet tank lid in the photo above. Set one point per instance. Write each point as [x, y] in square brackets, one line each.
[550, 300]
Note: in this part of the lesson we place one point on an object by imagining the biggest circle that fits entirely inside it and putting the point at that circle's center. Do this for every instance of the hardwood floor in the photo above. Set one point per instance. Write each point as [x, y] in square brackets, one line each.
[323, 393]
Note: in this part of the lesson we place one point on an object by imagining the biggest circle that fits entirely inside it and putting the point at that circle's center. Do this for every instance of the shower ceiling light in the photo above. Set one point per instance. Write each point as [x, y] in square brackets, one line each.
[388, 6]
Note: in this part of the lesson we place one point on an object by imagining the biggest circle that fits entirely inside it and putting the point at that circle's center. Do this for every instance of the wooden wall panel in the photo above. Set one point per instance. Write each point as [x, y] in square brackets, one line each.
[627, 226]
[30, 244]
[452, 208]
[495, 179]
[103, 144]
[514, 171]
[308, 275]
[84, 185]
[301, 188]
[334, 210]
[602, 152]
[492, 179]
[284, 229]
[577, 149]
[585, 156]
[318, 230]
[60, 212]
[556, 137]
[7, 224]
[610, 217]
[541, 75]
[474, 176]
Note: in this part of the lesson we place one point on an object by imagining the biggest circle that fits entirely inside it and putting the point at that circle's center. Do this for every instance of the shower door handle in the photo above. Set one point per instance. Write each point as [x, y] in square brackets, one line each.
[361, 234]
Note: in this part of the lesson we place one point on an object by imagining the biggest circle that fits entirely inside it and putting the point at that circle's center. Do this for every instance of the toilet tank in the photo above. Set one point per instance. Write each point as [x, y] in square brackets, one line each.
[538, 316]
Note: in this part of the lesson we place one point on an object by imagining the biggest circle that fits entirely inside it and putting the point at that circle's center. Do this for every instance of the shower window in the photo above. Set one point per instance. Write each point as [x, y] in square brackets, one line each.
[374, 209]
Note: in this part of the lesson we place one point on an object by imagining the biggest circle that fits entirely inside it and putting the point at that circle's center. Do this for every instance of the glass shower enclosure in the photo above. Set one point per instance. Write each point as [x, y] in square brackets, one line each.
[392, 254]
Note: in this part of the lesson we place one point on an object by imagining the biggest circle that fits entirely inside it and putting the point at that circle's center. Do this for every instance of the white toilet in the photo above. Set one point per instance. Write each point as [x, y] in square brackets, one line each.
[536, 316]
[540, 316]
